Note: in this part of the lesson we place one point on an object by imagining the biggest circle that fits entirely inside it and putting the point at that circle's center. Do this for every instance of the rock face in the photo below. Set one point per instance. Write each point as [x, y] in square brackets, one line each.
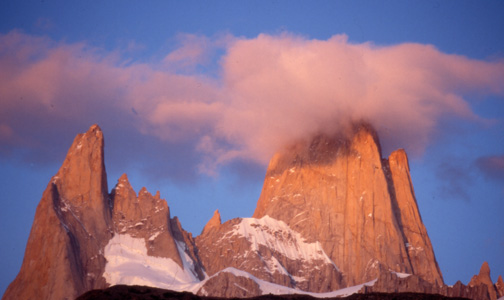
[332, 214]
[483, 278]
[361, 208]
[390, 282]
[420, 251]
[269, 250]
[213, 223]
[146, 217]
[63, 255]
[75, 220]
[499, 286]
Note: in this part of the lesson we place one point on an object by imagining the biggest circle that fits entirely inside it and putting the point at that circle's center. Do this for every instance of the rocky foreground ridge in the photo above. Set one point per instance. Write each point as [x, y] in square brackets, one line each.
[334, 218]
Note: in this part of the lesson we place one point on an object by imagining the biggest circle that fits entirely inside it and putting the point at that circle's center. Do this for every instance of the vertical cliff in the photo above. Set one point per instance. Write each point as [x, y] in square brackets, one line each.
[64, 253]
[338, 191]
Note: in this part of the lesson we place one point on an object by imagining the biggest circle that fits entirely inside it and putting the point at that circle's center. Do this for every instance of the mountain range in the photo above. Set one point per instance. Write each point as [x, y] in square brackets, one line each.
[334, 218]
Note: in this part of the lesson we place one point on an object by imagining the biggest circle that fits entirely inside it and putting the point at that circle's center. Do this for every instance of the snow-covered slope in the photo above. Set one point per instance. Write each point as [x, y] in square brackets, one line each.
[278, 236]
[128, 263]
[276, 289]
[270, 250]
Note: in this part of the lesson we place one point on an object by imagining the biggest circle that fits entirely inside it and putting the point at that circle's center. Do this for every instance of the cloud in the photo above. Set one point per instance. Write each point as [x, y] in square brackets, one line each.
[193, 50]
[455, 180]
[492, 166]
[268, 91]
[50, 91]
[285, 87]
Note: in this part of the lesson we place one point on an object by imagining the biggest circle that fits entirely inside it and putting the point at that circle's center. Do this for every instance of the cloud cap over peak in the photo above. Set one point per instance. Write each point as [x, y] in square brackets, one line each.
[268, 91]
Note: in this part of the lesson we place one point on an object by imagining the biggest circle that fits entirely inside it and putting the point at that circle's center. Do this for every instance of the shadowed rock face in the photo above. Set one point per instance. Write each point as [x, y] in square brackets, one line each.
[420, 251]
[361, 208]
[64, 255]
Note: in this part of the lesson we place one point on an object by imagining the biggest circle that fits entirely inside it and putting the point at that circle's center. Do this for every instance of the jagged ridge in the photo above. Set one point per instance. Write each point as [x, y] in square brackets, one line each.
[332, 214]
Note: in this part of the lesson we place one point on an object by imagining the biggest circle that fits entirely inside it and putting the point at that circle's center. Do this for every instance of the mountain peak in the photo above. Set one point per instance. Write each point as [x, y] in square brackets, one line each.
[94, 128]
[72, 224]
[322, 149]
[214, 222]
[499, 286]
[485, 269]
[123, 178]
[484, 278]
[337, 190]
[332, 213]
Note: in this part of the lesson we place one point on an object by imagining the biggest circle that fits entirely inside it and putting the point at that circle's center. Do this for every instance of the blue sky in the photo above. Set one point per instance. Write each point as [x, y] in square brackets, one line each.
[193, 98]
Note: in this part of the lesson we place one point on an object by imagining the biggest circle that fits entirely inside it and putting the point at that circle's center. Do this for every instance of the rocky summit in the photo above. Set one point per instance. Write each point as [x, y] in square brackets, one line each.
[360, 207]
[334, 218]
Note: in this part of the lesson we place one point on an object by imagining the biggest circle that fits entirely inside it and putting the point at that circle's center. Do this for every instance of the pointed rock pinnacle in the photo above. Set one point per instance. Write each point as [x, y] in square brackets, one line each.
[214, 222]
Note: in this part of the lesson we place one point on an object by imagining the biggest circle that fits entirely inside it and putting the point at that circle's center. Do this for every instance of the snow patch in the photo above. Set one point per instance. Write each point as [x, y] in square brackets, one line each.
[187, 261]
[275, 289]
[154, 236]
[401, 275]
[278, 236]
[64, 206]
[413, 248]
[128, 263]
[303, 212]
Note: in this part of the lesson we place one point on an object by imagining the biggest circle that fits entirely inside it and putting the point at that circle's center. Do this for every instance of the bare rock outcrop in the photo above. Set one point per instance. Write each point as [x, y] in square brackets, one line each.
[144, 216]
[392, 282]
[479, 288]
[332, 213]
[213, 223]
[64, 253]
[147, 216]
[499, 286]
[483, 278]
[188, 246]
[419, 247]
[339, 191]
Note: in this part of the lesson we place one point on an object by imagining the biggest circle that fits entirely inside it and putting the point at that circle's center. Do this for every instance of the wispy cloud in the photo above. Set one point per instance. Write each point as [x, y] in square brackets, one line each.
[492, 166]
[270, 90]
[455, 180]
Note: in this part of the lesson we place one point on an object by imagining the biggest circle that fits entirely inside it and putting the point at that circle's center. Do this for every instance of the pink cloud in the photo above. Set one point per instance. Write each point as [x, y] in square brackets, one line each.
[285, 87]
[272, 90]
[193, 50]
[492, 166]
